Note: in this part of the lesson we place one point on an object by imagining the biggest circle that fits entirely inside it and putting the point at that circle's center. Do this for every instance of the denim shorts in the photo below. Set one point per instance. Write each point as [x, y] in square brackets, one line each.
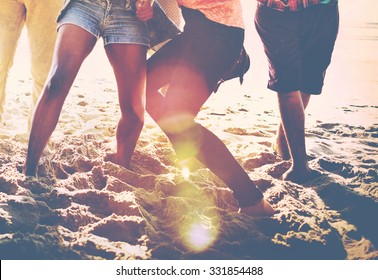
[113, 20]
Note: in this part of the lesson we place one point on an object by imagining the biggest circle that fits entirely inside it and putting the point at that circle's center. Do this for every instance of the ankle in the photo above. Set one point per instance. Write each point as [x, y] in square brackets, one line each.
[261, 209]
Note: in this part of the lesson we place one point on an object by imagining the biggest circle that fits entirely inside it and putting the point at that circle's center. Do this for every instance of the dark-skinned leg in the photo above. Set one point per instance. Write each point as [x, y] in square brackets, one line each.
[186, 94]
[292, 113]
[41, 30]
[160, 70]
[72, 46]
[129, 65]
[280, 145]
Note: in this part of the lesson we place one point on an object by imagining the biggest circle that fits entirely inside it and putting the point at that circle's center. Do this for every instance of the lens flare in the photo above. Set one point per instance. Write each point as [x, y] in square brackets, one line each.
[185, 172]
[199, 222]
[200, 236]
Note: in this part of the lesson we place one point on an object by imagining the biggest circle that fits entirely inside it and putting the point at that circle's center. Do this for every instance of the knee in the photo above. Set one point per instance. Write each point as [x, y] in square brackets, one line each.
[184, 134]
[134, 115]
[177, 123]
[137, 118]
[56, 85]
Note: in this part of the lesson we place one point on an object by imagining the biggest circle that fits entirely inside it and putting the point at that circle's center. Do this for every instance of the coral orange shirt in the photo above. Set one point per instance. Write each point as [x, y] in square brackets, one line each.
[227, 12]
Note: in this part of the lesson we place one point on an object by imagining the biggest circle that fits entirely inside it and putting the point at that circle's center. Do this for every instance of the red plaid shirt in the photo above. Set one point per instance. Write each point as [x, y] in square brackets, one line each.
[289, 5]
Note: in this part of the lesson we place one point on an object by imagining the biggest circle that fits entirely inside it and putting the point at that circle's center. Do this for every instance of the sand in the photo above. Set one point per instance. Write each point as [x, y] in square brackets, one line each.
[83, 206]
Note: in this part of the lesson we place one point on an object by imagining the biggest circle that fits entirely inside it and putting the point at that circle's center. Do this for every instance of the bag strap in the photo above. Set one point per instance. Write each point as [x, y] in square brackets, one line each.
[238, 69]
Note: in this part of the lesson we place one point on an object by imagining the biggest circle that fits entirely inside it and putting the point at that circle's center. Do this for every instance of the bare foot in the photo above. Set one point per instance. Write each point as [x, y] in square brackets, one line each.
[114, 159]
[300, 176]
[261, 209]
[29, 172]
[280, 146]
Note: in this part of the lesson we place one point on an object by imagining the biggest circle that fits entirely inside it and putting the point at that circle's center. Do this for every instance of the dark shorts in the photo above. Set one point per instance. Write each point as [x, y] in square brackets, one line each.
[208, 47]
[298, 46]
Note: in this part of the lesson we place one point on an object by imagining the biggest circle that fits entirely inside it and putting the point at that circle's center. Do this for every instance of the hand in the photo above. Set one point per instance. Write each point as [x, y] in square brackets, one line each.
[144, 9]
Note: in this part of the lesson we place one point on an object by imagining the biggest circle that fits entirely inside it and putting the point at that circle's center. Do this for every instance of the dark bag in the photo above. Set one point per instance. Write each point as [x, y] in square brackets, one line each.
[161, 28]
[238, 69]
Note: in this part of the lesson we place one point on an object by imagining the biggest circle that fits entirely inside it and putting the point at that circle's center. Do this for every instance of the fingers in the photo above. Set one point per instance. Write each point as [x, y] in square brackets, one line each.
[144, 10]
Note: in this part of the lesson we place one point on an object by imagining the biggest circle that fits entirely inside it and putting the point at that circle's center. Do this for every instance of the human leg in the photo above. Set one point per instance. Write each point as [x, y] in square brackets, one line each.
[41, 25]
[175, 113]
[126, 41]
[281, 33]
[191, 139]
[12, 19]
[65, 65]
[292, 111]
[319, 31]
[160, 69]
[129, 65]
[281, 145]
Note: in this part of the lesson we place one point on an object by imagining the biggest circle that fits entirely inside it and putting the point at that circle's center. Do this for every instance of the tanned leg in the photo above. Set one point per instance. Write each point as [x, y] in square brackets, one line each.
[280, 145]
[41, 26]
[175, 113]
[292, 113]
[129, 65]
[72, 47]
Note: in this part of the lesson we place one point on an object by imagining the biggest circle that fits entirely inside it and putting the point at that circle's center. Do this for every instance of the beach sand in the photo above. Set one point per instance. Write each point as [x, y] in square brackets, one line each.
[82, 206]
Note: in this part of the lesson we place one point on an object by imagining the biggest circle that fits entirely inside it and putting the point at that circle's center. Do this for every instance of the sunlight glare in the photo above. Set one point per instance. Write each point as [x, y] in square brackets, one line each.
[199, 224]
[185, 172]
[200, 233]
[200, 236]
